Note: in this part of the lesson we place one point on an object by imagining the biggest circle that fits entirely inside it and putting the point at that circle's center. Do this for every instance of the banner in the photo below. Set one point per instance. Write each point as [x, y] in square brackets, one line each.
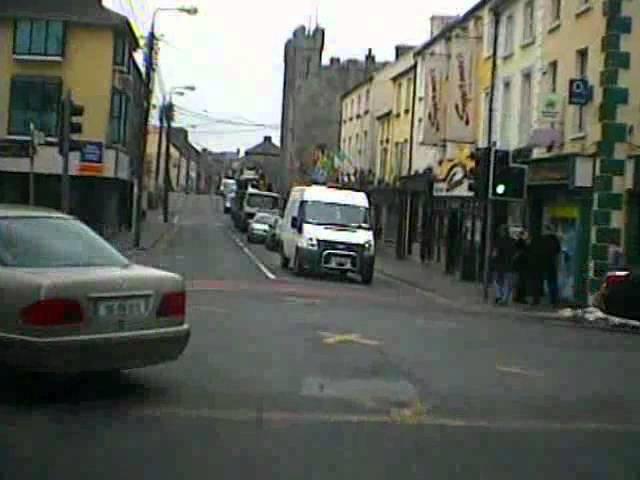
[435, 66]
[460, 126]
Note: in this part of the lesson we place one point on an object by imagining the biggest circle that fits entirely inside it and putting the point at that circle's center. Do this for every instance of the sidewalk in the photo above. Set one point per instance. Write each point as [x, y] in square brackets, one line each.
[153, 228]
[449, 289]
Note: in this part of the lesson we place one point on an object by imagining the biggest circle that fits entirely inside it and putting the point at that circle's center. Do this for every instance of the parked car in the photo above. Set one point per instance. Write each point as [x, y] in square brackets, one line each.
[72, 303]
[259, 227]
[619, 294]
[272, 242]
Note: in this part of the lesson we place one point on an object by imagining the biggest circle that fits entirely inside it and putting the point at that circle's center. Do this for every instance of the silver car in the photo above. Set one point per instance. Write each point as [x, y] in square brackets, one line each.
[70, 302]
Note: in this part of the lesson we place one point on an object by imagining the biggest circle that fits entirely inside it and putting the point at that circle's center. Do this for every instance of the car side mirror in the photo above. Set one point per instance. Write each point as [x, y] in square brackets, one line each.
[294, 223]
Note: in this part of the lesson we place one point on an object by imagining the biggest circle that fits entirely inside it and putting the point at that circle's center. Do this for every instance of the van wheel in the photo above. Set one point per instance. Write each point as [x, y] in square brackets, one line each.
[367, 276]
[284, 261]
[297, 266]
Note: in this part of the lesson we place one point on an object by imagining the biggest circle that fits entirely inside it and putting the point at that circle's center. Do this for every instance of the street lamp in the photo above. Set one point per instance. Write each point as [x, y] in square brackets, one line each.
[151, 40]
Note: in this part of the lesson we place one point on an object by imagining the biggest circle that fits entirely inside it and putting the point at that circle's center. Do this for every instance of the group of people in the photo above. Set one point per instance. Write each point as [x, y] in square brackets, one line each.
[522, 266]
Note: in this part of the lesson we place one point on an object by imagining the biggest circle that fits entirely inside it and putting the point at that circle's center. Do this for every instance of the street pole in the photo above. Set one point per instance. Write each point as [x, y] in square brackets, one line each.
[66, 133]
[160, 135]
[488, 223]
[32, 154]
[148, 90]
[167, 166]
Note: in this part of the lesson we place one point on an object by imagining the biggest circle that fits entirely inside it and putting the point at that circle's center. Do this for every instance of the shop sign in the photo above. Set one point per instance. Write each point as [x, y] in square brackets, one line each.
[14, 149]
[580, 91]
[548, 172]
[551, 108]
[91, 159]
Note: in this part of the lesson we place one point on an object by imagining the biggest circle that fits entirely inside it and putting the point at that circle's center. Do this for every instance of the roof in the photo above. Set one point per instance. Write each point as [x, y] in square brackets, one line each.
[358, 85]
[318, 193]
[88, 12]
[404, 72]
[266, 147]
[452, 26]
[18, 210]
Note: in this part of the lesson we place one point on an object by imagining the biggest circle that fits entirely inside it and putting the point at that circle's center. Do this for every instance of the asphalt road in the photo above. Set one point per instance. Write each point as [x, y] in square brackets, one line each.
[289, 378]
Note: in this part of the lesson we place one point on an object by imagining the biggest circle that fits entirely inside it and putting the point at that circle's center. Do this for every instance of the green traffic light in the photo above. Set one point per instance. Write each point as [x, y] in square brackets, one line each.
[500, 189]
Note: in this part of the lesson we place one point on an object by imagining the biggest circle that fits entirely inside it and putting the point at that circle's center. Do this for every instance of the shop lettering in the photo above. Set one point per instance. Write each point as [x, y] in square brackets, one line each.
[462, 106]
[433, 115]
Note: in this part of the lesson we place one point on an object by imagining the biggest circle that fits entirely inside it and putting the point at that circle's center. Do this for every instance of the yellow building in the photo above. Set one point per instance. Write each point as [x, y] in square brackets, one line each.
[46, 50]
[357, 136]
[401, 122]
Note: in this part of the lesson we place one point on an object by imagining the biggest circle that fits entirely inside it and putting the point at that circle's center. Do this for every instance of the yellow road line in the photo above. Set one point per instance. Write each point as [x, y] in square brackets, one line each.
[519, 371]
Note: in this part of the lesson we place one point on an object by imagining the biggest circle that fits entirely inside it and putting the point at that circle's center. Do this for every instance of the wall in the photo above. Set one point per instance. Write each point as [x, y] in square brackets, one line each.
[355, 124]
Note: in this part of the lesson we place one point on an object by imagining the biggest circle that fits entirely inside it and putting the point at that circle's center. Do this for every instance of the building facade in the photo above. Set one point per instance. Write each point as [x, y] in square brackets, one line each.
[46, 50]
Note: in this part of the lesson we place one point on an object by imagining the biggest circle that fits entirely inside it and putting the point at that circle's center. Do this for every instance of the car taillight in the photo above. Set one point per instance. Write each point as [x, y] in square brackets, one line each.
[617, 278]
[53, 312]
[173, 304]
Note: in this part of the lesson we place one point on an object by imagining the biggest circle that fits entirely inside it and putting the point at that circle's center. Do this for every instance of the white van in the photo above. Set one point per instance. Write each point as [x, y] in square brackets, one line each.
[327, 230]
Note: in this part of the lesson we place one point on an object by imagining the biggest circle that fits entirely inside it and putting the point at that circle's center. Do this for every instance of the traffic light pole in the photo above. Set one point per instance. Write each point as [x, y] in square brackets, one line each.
[488, 219]
[167, 165]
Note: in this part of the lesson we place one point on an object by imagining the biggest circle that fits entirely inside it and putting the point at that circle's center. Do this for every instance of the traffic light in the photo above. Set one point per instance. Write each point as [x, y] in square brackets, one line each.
[69, 125]
[479, 172]
[509, 182]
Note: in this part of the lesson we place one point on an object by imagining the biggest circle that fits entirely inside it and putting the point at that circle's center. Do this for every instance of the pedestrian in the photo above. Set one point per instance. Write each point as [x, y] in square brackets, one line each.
[545, 253]
[503, 254]
[520, 266]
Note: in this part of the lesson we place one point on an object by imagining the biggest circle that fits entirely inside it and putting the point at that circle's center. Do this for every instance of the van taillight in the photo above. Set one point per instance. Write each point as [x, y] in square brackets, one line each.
[173, 304]
[52, 312]
[617, 278]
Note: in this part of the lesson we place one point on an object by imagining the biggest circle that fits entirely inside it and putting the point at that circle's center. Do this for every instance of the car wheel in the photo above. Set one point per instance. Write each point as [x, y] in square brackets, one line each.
[249, 239]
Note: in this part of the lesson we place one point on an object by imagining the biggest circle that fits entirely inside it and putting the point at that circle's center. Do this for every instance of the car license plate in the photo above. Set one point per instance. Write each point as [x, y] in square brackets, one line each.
[340, 262]
[122, 307]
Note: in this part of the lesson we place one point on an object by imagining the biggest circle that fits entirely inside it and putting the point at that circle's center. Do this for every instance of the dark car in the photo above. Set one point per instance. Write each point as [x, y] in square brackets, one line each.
[272, 242]
[619, 295]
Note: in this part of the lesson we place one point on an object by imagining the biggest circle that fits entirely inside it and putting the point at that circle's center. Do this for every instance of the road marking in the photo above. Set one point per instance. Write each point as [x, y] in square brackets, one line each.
[253, 258]
[336, 338]
[417, 419]
[519, 371]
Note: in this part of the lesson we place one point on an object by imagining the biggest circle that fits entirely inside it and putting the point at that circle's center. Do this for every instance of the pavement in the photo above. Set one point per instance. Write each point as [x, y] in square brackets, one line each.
[325, 378]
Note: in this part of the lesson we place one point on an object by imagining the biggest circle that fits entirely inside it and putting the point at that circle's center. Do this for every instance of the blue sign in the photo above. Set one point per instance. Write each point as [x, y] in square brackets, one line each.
[580, 92]
[91, 152]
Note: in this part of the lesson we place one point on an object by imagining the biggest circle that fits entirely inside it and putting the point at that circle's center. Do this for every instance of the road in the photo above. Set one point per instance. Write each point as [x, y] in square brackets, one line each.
[290, 377]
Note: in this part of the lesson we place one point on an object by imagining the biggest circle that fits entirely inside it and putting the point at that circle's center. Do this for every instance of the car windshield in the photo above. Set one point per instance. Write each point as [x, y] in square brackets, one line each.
[340, 214]
[266, 202]
[54, 243]
[263, 218]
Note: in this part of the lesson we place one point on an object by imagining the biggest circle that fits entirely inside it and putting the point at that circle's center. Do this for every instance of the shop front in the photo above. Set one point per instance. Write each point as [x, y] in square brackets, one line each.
[554, 201]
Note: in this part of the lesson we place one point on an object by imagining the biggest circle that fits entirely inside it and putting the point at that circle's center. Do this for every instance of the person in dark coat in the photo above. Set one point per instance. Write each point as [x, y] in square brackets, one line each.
[520, 267]
[545, 252]
[503, 255]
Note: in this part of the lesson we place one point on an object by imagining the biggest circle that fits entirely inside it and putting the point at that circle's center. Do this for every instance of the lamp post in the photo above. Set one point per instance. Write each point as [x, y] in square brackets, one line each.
[148, 84]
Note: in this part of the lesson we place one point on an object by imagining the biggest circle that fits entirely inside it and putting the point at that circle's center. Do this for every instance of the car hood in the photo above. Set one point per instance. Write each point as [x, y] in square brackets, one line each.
[338, 234]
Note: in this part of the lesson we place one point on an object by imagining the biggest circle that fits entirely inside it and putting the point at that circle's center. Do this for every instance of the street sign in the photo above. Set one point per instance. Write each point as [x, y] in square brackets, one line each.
[580, 91]
[91, 152]
[551, 107]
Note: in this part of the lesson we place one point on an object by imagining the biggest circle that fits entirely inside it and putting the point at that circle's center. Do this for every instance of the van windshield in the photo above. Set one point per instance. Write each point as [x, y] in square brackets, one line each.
[339, 214]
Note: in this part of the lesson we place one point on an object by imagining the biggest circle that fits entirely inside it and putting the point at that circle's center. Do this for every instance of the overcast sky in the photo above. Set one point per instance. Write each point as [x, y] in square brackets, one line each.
[233, 51]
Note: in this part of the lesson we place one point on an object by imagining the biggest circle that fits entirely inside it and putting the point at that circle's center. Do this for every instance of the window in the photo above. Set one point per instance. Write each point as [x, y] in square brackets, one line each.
[525, 107]
[351, 109]
[528, 29]
[507, 42]
[556, 11]
[357, 145]
[582, 65]
[365, 139]
[398, 98]
[489, 36]
[359, 103]
[307, 67]
[39, 38]
[34, 100]
[367, 99]
[505, 121]
[121, 52]
[552, 74]
[119, 113]
[408, 98]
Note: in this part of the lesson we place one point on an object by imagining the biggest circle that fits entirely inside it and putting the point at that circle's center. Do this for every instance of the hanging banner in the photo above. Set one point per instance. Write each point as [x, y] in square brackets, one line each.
[435, 69]
[460, 90]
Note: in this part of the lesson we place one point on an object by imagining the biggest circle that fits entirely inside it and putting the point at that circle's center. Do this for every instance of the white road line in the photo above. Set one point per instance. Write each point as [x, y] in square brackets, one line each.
[253, 258]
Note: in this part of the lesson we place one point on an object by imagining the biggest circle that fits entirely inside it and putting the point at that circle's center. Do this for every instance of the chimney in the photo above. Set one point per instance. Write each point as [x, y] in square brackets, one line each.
[402, 49]
[333, 61]
[370, 58]
[439, 22]
[267, 139]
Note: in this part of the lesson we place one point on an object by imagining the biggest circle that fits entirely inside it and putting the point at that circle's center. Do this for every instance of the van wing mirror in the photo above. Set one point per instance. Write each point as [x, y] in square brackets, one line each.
[294, 223]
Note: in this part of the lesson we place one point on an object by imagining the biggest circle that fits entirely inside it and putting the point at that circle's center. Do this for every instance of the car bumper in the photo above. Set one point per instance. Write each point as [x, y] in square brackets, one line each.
[312, 261]
[258, 235]
[121, 351]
